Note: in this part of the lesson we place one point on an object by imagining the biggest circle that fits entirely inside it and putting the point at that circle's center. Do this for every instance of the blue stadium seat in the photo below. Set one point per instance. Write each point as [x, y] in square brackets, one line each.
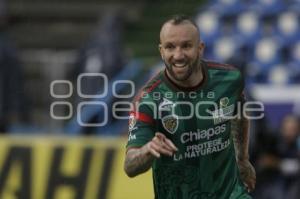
[254, 74]
[267, 7]
[294, 6]
[224, 48]
[293, 2]
[248, 26]
[267, 52]
[208, 52]
[294, 64]
[227, 8]
[265, 28]
[295, 52]
[209, 26]
[294, 74]
[287, 28]
[278, 75]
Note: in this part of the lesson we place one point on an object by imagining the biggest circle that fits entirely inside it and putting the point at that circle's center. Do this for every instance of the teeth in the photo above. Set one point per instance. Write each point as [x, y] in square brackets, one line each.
[179, 65]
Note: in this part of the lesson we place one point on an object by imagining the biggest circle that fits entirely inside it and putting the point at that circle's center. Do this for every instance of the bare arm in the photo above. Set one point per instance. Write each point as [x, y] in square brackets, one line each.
[240, 132]
[139, 160]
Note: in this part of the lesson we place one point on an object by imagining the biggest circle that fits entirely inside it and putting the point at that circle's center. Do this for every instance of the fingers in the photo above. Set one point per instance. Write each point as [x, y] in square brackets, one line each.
[154, 152]
[168, 142]
[161, 145]
[252, 179]
[160, 148]
[250, 184]
[248, 175]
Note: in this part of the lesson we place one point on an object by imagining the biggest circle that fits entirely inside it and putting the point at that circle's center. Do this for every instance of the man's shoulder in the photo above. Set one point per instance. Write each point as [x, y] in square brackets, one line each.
[213, 65]
[151, 86]
[220, 72]
[153, 83]
[223, 71]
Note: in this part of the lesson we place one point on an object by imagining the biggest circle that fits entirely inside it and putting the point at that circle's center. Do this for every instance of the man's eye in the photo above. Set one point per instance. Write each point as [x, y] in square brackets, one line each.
[187, 46]
[169, 47]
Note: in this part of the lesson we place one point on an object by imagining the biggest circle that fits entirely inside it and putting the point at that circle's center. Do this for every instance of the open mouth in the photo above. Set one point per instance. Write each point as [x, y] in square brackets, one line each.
[180, 65]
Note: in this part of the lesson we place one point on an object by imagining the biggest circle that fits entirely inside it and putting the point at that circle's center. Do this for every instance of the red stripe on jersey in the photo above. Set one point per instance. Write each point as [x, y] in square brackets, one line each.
[153, 86]
[145, 90]
[142, 117]
[142, 93]
[222, 66]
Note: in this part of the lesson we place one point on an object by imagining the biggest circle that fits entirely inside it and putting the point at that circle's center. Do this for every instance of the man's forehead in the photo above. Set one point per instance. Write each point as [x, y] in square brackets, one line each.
[184, 29]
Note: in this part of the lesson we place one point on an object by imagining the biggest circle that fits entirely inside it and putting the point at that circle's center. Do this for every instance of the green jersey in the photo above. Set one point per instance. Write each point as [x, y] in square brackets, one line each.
[198, 121]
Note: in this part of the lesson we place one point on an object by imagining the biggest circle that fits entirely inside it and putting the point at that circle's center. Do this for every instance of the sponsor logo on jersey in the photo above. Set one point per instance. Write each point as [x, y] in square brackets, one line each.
[131, 137]
[170, 123]
[224, 102]
[132, 122]
[202, 134]
[224, 113]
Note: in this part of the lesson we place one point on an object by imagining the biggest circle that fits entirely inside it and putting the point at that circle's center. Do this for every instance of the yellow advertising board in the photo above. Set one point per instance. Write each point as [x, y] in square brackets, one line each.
[68, 168]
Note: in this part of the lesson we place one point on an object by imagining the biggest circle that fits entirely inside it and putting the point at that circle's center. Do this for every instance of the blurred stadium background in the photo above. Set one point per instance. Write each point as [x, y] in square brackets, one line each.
[50, 148]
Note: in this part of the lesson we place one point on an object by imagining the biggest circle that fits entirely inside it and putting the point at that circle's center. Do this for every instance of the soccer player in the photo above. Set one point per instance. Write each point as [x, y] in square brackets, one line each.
[183, 123]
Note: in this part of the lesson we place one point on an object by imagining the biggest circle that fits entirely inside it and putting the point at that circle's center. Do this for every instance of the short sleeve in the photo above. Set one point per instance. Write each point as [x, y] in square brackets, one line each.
[141, 125]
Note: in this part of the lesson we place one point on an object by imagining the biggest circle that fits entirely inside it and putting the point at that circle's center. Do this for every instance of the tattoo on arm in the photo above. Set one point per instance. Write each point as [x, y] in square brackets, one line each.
[240, 132]
[137, 162]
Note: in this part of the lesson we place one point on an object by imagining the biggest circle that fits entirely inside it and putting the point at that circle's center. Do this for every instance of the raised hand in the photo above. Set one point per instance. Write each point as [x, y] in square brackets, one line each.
[248, 174]
[160, 144]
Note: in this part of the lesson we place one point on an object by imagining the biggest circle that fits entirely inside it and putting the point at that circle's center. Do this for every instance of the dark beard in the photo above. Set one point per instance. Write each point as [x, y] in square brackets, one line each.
[194, 67]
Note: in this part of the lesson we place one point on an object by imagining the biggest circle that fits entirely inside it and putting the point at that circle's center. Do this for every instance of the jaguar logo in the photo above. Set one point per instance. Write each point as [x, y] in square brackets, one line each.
[170, 123]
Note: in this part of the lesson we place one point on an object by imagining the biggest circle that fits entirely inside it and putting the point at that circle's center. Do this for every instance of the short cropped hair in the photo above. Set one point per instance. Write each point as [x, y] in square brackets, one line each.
[180, 19]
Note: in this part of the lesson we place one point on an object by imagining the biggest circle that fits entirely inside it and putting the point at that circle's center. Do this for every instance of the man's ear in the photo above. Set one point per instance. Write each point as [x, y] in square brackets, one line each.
[160, 50]
[201, 48]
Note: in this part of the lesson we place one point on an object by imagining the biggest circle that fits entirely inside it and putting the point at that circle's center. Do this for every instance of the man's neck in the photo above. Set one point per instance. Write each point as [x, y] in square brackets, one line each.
[194, 80]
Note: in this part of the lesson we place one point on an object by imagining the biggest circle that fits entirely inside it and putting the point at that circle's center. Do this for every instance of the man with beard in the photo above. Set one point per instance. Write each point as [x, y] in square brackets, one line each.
[195, 146]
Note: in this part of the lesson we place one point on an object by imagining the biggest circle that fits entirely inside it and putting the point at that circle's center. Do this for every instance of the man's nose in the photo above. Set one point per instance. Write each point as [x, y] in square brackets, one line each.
[178, 54]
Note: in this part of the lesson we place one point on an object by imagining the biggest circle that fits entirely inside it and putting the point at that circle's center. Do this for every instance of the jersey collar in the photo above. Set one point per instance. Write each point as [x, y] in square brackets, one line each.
[176, 87]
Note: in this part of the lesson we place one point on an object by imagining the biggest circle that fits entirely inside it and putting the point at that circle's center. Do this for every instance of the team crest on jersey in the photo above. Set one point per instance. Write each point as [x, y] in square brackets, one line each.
[170, 123]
